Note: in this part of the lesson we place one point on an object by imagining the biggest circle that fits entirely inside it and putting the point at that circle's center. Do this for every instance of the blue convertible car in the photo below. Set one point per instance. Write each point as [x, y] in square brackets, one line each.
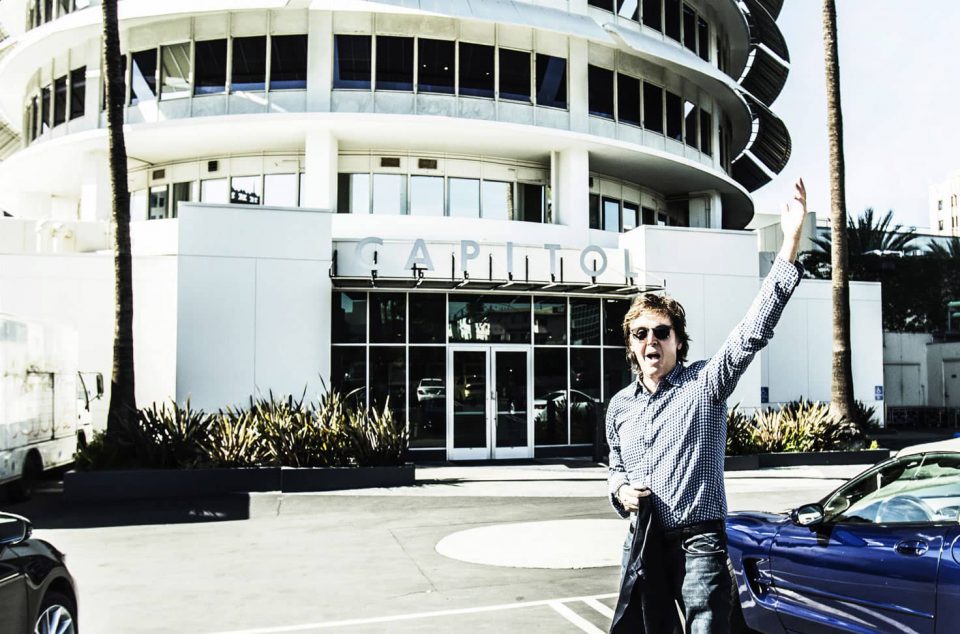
[879, 554]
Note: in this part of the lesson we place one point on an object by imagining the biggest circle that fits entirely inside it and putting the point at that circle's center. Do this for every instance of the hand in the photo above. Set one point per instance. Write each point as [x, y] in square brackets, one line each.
[791, 221]
[629, 496]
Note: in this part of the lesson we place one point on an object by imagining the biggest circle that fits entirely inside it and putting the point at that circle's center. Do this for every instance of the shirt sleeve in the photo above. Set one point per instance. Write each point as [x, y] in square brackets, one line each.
[725, 368]
[617, 472]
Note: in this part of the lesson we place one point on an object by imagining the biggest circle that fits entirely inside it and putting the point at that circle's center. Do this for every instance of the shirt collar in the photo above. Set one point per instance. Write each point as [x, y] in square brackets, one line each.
[673, 378]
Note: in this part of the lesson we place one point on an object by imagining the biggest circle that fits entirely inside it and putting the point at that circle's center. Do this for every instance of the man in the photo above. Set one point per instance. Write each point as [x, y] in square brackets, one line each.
[667, 436]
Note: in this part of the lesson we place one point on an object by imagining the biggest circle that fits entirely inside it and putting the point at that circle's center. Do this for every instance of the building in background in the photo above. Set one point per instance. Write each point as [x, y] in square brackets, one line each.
[447, 204]
[944, 208]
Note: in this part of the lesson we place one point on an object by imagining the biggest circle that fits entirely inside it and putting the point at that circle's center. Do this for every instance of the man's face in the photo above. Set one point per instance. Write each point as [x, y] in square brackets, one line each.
[656, 357]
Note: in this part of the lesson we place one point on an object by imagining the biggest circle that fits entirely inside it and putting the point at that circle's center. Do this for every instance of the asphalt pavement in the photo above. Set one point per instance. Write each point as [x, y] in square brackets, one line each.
[518, 548]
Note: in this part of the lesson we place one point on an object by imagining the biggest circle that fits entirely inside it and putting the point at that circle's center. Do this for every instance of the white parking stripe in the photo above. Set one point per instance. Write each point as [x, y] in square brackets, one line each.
[599, 607]
[425, 615]
[575, 618]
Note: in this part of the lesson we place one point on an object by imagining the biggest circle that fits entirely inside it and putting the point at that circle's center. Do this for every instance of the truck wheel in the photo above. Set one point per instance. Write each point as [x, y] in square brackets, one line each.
[22, 489]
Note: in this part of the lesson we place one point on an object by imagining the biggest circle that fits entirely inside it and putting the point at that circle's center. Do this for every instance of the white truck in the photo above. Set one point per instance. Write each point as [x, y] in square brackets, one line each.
[44, 401]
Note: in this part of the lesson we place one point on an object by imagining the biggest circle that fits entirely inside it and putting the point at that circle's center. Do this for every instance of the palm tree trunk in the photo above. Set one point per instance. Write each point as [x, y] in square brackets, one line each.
[123, 405]
[841, 391]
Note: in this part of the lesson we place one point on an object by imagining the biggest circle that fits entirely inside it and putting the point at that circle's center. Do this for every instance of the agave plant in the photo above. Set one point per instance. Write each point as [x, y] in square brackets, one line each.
[234, 439]
[170, 438]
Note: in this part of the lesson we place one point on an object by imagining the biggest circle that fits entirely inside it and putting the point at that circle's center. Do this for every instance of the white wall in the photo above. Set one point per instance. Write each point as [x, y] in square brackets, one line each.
[905, 368]
[943, 377]
[253, 299]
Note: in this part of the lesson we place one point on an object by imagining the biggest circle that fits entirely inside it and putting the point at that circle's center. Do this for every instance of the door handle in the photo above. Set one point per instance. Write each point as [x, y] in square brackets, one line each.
[912, 547]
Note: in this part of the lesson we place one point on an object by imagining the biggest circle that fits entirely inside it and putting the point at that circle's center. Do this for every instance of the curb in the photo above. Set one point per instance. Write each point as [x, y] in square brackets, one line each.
[173, 483]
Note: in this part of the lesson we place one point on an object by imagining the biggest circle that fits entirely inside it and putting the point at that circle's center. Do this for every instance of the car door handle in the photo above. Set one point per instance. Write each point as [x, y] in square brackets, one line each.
[912, 547]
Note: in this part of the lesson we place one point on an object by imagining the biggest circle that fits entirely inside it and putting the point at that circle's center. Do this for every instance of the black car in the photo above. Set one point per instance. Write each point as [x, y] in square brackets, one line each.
[36, 591]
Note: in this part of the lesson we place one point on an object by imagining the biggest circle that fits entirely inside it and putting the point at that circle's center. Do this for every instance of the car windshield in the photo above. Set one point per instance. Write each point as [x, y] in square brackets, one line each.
[916, 488]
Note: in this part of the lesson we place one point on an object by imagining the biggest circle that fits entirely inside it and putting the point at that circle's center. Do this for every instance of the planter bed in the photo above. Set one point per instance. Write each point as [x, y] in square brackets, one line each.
[804, 459]
[178, 483]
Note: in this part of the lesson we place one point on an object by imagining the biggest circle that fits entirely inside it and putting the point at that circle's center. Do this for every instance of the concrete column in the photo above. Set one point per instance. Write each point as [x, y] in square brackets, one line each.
[715, 210]
[320, 183]
[577, 93]
[570, 171]
[320, 69]
[95, 203]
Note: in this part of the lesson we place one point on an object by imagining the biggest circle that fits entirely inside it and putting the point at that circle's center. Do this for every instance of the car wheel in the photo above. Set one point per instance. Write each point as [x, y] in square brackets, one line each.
[57, 615]
[22, 490]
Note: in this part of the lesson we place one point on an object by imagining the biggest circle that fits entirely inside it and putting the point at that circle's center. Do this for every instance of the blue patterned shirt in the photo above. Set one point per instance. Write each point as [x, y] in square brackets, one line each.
[674, 439]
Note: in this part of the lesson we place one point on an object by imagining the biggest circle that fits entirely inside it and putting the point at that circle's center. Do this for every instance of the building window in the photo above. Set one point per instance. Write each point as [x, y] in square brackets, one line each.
[248, 71]
[551, 81]
[428, 400]
[428, 314]
[585, 376]
[653, 108]
[463, 197]
[426, 195]
[628, 100]
[611, 214]
[59, 100]
[245, 190]
[593, 211]
[280, 190]
[496, 200]
[601, 4]
[631, 216]
[353, 193]
[138, 204]
[348, 374]
[940, 224]
[600, 91]
[436, 60]
[549, 321]
[157, 203]
[531, 202]
[671, 10]
[44, 109]
[549, 396]
[388, 322]
[388, 194]
[706, 132]
[394, 63]
[514, 81]
[175, 71]
[648, 215]
[629, 9]
[939, 202]
[689, 28]
[691, 124]
[674, 117]
[288, 62]
[78, 92]
[653, 14]
[143, 76]
[215, 191]
[489, 319]
[32, 123]
[182, 192]
[349, 319]
[703, 31]
[352, 61]
[210, 74]
[477, 70]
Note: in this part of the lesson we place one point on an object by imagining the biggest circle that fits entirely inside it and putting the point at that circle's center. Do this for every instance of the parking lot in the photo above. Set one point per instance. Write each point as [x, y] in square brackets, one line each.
[508, 548]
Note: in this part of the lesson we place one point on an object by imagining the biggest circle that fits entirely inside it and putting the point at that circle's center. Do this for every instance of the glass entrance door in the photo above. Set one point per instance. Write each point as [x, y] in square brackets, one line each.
[489, 404]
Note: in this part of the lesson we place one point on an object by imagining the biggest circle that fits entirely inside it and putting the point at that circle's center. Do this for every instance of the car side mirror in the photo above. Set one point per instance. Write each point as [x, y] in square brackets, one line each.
[99, 385]
[807, 515]
[13, 529]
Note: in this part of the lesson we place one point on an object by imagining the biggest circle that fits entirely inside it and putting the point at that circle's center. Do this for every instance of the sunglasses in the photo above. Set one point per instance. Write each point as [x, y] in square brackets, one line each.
[660, 332]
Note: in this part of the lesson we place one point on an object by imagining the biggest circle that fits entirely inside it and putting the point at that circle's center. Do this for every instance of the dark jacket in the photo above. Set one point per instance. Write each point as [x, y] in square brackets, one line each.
[643, 580]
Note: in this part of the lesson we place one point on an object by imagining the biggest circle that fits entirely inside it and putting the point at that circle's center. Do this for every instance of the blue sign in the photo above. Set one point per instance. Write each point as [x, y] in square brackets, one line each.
[878, 392]
[764, 395]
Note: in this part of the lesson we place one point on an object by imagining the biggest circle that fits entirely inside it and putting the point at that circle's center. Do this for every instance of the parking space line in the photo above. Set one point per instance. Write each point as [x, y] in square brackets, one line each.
[575, 618]
[599, 607]
[438, 613]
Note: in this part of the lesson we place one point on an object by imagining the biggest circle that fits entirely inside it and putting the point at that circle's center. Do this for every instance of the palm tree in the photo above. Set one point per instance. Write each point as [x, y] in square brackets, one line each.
[871, 235]
[947, 251]
[841, 390]
[123, 404]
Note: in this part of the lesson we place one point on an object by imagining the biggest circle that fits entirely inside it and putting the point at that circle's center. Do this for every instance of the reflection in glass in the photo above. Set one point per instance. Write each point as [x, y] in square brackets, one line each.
[552, 81]
[514, 75]
[426, 195]
[628, 99]
[671, 10]
[175, 70]
[143, 76]
[388, 381]
[348, 374]
[593, 211]
[428, 313]
[59, 100]
[428, 402]
[629, 9]
[706, 132]
[78, 92]
[652, 14]
[616, 372]
[550, 396]
[689, 28]
[549, 321]
[690, 121]
[674, 117]
[511, 386]
[584, 394]
[464, 197]
[584, 322]
[531, 202]
[652, 108]
[600, 83]
[248, 70]
[436, 65]
[614, 310]
[469, 399]
[476, 70]
[210, 74]
[631, 216]
[288, 62]
[703, 37]
[353, 193]
[352, 61]
[496, 200]
[388, 317]
[245, 190]
[214, 191]
[182, 192]
[157, 206]
[280, 190]
[489, 318]
[388, 194]
[611, 214]
[394, 63]
[348, 317]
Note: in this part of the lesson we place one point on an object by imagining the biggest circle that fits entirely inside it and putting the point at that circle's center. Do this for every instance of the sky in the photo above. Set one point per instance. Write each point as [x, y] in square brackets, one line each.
[899, 95]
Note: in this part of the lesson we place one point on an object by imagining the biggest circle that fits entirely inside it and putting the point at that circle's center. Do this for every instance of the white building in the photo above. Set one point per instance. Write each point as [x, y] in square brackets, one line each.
[446, 203]
[944, 209]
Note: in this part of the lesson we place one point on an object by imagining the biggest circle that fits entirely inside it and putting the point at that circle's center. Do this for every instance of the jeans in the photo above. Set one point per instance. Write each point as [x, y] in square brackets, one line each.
[696, 578]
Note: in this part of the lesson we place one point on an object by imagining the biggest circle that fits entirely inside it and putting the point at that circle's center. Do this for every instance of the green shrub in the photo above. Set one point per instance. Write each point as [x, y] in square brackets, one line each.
[740, 433]
[234, 439]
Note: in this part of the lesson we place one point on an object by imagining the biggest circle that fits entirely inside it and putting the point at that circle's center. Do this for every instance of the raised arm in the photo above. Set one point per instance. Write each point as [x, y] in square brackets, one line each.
[725, 368]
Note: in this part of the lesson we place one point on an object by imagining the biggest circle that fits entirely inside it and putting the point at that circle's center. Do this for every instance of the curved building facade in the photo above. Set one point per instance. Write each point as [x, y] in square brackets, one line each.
[471, 189]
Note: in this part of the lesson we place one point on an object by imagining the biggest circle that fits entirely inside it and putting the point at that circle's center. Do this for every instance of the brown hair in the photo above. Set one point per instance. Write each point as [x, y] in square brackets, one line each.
[663, 305]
